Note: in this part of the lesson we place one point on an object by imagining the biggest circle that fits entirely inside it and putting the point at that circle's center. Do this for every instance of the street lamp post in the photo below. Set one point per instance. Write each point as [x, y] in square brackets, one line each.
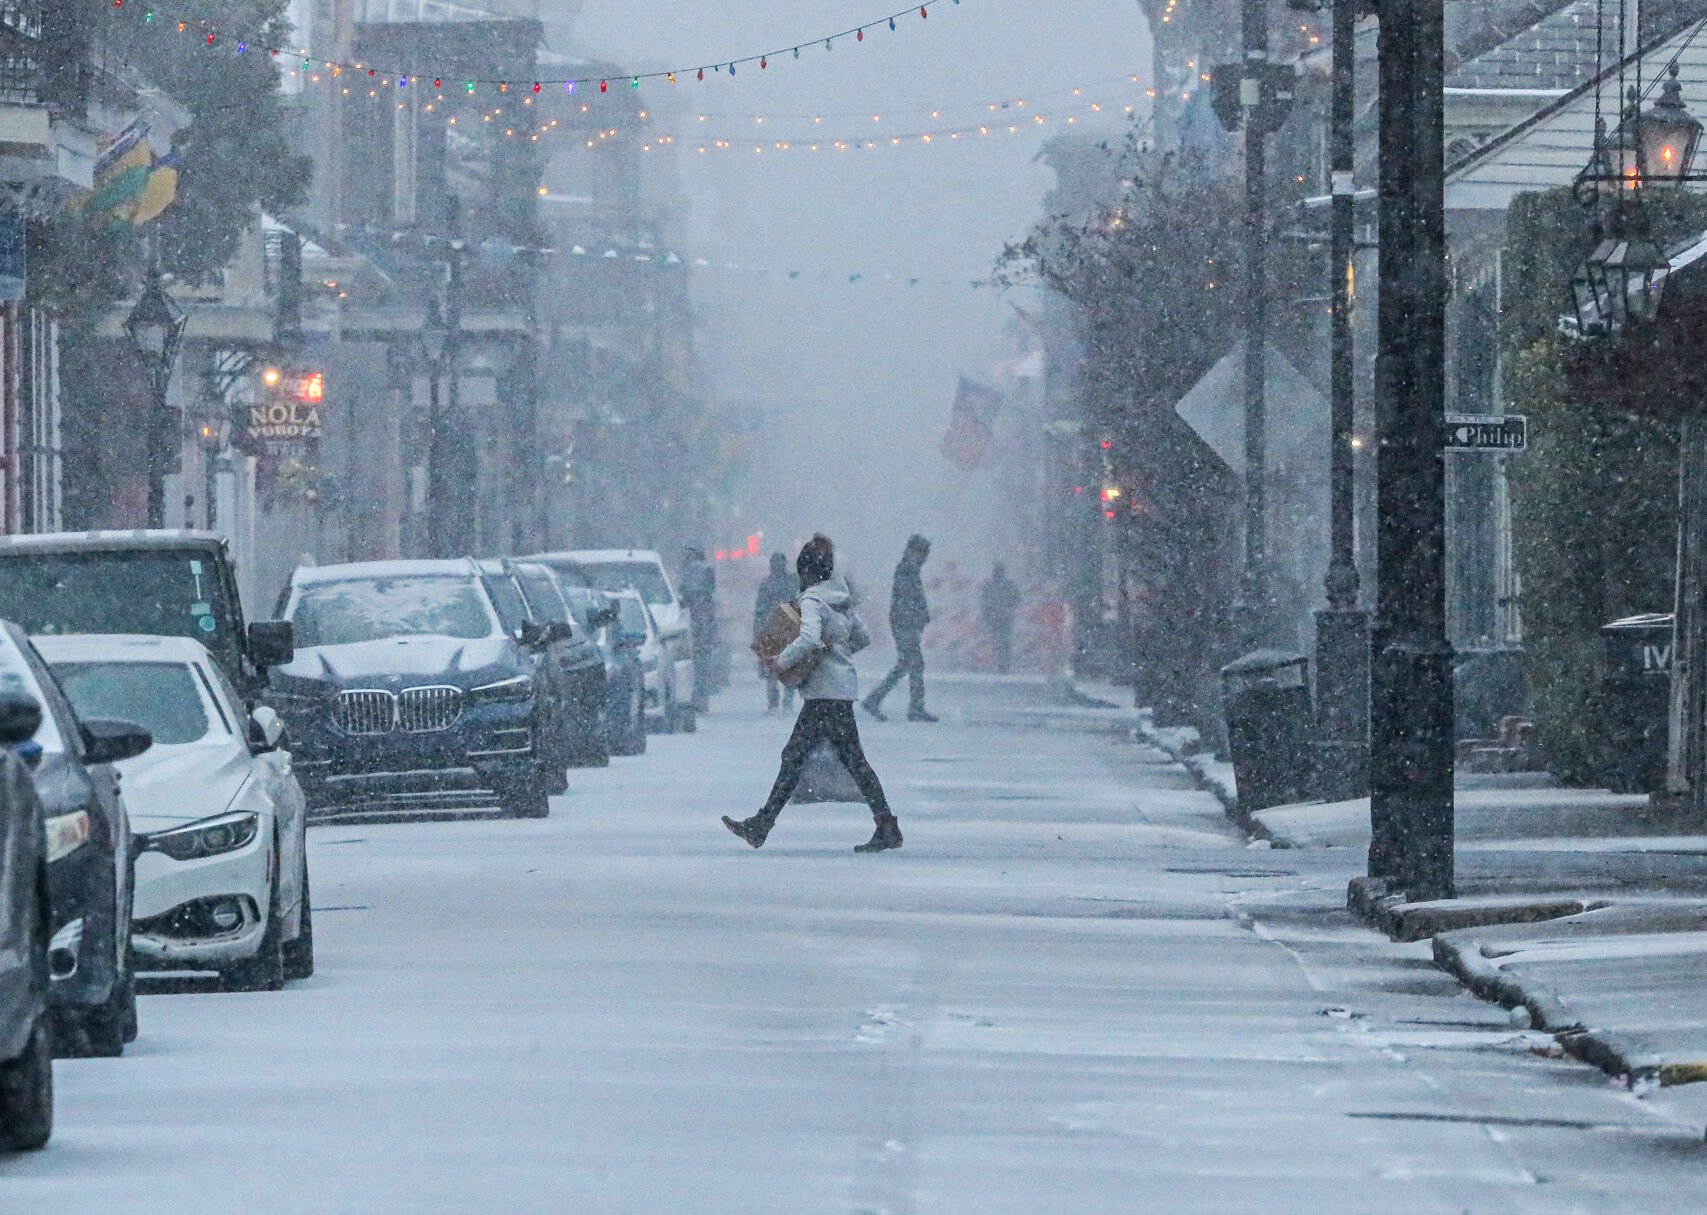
[155, 327]
[439, 341]
[1254, 584]
[1411, 756]
[1342, 631]
[212, 433]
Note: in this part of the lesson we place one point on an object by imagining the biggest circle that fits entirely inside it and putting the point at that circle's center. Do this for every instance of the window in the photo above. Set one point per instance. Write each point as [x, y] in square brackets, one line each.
[543, 597]
[512, 608]
[643, 576]
[160, 696]
[344, 613]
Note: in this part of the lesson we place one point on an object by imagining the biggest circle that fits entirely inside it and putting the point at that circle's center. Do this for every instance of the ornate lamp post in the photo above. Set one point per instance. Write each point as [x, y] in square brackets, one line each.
[155, 327]
[212, 431]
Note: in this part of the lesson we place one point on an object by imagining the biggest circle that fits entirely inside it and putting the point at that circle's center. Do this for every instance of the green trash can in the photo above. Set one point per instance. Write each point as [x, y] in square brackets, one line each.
[1635, 693]
[1266, 694]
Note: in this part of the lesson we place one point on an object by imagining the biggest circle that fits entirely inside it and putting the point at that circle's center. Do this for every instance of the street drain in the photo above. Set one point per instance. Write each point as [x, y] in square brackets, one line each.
[1563, 1124]
[1233, 873]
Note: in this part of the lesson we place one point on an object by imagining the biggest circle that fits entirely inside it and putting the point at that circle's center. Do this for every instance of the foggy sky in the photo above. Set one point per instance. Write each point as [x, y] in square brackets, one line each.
[858, 379]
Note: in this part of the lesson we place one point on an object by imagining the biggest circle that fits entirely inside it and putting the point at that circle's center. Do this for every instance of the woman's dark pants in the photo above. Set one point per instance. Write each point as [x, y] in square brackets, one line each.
[832, 722]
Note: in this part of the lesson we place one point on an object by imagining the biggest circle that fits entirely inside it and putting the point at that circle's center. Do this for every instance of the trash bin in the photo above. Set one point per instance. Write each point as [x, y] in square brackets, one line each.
[1635, 702]
[1266, 694]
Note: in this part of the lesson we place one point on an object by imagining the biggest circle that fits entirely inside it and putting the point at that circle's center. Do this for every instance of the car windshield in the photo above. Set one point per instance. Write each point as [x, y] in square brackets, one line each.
[643, 576]
[343, 613]
[632, 616]
[163, 594]
[160, 696]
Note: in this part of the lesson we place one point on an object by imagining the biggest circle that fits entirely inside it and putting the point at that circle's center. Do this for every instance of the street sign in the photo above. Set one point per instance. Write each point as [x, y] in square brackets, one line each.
[1486, 432]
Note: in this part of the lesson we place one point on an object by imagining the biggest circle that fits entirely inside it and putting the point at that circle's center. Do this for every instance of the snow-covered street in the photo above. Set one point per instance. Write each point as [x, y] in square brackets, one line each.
[1076, 989]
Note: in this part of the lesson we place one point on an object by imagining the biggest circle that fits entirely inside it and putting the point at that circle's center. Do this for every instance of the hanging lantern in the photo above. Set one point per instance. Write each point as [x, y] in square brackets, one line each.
[1621, 283]
[1656, 146]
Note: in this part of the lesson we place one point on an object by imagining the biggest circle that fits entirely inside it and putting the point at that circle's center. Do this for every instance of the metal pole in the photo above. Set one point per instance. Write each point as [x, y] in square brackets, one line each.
[1342, 632]
[1411, 760]
[1254, 587]
[157, 457]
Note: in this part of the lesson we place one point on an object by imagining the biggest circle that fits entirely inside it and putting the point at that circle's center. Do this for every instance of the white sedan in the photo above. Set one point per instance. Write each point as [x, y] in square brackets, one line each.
[637, 629]
[218, 817]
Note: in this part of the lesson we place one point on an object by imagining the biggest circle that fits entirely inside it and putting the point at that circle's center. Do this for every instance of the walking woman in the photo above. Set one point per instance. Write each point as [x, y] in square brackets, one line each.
[830, 634]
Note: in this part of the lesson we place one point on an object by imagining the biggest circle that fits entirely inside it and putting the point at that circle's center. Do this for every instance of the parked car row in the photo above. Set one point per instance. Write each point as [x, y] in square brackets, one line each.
[160, 758]
[458, 683]
[150, 818]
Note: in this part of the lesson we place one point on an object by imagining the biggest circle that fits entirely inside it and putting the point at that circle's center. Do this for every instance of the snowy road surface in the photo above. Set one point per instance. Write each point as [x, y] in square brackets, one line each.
[1075, 990]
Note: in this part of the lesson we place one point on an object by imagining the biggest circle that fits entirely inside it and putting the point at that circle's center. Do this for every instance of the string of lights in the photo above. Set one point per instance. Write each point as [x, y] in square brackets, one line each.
[218, 35]
[1007, 119]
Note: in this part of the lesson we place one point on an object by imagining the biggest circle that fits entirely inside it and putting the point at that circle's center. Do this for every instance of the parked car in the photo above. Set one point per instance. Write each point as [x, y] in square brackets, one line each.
[91, 868]
[163, 583]
[625, 710]
[637, 633]
[26, 1022]
[217, 815]
[408, 692]
[643, 570]
[570, 663]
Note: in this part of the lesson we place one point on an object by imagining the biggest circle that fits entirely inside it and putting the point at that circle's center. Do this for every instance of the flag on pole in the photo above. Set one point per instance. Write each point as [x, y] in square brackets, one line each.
[971, 425]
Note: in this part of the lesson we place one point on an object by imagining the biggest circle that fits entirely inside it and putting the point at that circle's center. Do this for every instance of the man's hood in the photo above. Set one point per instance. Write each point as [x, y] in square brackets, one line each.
[833, 593]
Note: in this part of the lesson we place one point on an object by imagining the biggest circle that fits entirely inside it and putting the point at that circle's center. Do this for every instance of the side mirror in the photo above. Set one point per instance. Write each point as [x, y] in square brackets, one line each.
[531, 634]
[272, 643]
[265, 730]
[20, 718]
[107, 741]
[599, 618]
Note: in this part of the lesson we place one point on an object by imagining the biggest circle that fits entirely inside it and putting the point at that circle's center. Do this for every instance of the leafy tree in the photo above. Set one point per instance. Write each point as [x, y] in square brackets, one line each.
[1594, 500]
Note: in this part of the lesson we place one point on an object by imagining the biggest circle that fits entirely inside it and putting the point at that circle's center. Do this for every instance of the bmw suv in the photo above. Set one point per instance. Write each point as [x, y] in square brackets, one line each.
[408, 692]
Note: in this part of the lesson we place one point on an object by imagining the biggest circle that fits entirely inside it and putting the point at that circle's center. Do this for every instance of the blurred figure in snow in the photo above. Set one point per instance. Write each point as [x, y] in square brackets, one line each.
[908, 616]
[781, 586]
[998, 605]
[699, 596]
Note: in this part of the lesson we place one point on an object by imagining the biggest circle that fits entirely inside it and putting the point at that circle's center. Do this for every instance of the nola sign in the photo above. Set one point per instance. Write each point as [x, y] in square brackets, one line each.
[289, 417]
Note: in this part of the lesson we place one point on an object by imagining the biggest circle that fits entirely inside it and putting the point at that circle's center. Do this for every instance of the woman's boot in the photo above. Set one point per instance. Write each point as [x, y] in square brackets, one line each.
[753, 830]
[887, 835]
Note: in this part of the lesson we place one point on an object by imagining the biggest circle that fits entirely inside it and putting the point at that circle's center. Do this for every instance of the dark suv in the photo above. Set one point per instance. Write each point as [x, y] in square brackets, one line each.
[159, 583]
[408, 691]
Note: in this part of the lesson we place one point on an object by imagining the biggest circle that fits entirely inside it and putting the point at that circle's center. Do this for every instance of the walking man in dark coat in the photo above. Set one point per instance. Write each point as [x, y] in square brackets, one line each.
[699, 596]
[782, 586]
[1000, 604]
[908, 616]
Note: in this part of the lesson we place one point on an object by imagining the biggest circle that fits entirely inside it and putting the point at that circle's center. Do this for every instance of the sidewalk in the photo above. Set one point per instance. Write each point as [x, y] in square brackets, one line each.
[1586, 909]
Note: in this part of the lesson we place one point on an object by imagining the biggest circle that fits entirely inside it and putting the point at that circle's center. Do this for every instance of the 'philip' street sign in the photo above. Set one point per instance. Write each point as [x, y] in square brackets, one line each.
[1489, 432]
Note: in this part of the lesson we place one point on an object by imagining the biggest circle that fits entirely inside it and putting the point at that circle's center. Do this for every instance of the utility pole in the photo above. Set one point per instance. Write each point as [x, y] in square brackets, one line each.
[1342, 631]
[1411, 758]
[1254, 585]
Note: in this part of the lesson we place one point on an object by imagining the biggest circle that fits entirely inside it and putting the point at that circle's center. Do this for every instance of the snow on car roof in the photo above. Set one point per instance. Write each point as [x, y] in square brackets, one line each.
[600, 554]
[109, 541]
[368, 571]
[120, 647]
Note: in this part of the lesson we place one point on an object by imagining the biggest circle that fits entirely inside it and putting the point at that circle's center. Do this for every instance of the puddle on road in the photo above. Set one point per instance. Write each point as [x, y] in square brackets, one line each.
[1232, 872]
[1566, 1124]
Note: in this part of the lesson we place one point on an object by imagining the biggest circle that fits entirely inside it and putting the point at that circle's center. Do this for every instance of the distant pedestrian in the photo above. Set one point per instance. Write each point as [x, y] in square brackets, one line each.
[908, 616]
[699, 596]
[999, 606]
[830, 634]
[780, 587]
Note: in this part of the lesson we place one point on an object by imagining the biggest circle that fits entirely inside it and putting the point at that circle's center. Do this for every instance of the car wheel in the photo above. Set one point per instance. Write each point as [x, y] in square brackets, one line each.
[264, 971]
[299, 954]
[105, 1028]
[528, 802]
[26, 1093]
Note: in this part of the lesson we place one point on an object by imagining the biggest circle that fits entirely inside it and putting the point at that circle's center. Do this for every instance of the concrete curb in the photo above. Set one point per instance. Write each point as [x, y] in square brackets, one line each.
[1463, 957]
[1193, 763]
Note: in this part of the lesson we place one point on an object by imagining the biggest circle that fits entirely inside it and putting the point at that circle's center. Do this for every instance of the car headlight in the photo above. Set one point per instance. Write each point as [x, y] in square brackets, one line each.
[210, 837]
[518, 688]
[66, 833]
